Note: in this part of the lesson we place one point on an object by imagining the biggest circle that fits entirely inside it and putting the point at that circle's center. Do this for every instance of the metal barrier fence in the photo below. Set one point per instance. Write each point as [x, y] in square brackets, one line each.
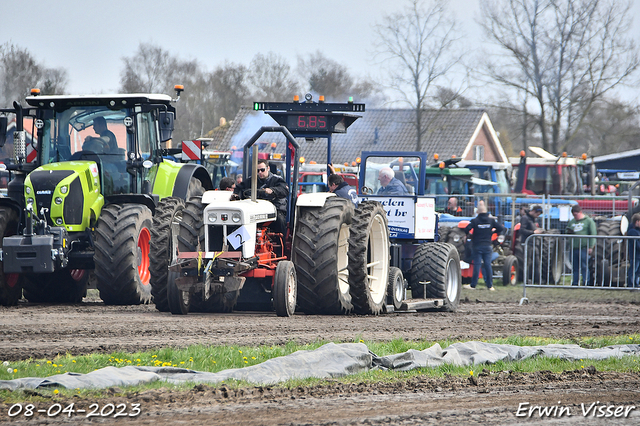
[508, 208]
[565, 261]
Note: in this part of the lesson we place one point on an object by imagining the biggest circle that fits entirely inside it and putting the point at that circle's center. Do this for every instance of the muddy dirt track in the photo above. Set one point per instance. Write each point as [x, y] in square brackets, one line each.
[42, 331]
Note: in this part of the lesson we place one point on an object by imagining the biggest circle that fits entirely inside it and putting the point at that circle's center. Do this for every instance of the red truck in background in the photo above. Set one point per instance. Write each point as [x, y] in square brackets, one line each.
[548, 174]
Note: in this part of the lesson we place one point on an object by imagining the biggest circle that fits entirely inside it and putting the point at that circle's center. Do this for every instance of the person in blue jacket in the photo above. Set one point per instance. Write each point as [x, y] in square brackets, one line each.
[482, 226]
[633, 273]
[390, 184]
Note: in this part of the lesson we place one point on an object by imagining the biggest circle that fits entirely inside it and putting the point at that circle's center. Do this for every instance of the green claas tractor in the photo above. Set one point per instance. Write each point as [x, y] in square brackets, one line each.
[86, 175]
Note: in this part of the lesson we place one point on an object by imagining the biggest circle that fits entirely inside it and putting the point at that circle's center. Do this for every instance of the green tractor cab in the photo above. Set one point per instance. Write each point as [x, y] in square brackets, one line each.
[86, 175]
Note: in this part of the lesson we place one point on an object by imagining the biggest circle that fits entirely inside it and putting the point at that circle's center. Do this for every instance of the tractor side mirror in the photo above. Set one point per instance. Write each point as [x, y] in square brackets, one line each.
[4, 121]
[166, 125]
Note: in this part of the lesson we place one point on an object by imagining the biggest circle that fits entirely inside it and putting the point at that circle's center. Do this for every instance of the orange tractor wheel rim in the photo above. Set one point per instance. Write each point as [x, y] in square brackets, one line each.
[143, 245]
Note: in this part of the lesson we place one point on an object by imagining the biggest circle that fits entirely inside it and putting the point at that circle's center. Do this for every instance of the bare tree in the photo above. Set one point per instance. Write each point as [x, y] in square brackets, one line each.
[155, 70]
[228, 84]
[332, 80]
[561, 56]
[271, 79]
[19, 73]
[416, 47]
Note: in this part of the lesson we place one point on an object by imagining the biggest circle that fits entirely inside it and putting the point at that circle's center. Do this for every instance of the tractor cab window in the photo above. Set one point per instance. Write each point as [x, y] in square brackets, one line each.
[539, 180]
[391, 175]
[89, 133]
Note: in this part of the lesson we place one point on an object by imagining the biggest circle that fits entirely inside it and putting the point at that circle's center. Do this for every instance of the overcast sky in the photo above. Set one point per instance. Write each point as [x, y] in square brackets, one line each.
[89, 38]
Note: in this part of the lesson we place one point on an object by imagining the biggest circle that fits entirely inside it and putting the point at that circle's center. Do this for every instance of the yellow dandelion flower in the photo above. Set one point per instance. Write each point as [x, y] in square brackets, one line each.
[361, 341]
[471, 372]
[154, 356]
[244, 357]
[56, 391]
[214, 361]
[73, 361]
[181, 362]
[239, 351]
[253, 357]
[48, 362]
[246, 362]
[15, 370]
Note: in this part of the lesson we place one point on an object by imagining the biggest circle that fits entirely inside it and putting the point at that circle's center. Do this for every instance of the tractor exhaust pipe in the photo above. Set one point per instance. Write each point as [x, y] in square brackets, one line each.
[254, 173]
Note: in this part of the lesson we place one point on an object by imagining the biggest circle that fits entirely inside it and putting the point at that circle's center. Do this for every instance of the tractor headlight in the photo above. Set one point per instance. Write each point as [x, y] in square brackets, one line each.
[28, 189]
[59, 221]
[235, 217]
[212, 217]
[29, 200]
[58, 200]
[64, 189]
[456, 238]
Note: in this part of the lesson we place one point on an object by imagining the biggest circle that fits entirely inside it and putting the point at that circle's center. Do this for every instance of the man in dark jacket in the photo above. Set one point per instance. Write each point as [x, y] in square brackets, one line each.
[389, 184]
[270, 187]
[338, 186]
[482, 226]
[528, 224]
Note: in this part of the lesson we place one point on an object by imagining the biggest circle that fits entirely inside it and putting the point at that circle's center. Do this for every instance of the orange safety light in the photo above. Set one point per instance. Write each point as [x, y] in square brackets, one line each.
[321, 99]
[296, 98]
[522, 153]
[564, 154]
[584, 155]
[435, 157]
[353, 163]
[453, 156]
[35, 91]
[179, 87]
[312, 162]
[358, 160]
[441, 165]
[274, 145]
[233, 148]
[346, 164]
[301, 160]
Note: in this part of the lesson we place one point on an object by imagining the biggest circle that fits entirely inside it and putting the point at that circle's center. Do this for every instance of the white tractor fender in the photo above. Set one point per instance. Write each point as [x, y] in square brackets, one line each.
[213, 196]
[316, 199]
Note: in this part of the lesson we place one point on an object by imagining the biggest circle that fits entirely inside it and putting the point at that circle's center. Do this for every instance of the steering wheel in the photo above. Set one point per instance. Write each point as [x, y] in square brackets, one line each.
[367, 190]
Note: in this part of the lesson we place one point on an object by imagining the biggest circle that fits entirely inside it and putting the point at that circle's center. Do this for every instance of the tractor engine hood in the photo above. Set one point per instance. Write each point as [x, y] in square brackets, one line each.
[67, 193]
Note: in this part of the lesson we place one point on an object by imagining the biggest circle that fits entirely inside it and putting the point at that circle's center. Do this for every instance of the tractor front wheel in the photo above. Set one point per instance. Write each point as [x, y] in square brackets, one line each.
[438, 266]
[122, 243]
[285, 289]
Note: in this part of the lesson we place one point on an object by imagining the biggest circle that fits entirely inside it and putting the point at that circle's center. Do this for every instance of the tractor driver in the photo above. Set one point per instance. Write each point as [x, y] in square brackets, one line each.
[100, 127]
[390, 185]
[270, 187]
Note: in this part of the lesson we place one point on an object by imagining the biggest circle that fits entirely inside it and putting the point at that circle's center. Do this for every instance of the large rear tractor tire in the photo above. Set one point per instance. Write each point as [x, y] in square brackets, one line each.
[395, 291]
[369, 258]
[62, 286]
[285, 289]
[164, 247]
[10, 284]
[438, 265]
[319, 252]
[123, 234]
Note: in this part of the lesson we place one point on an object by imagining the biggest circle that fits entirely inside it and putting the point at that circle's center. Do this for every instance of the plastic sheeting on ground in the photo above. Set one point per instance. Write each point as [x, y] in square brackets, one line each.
[328, 361]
